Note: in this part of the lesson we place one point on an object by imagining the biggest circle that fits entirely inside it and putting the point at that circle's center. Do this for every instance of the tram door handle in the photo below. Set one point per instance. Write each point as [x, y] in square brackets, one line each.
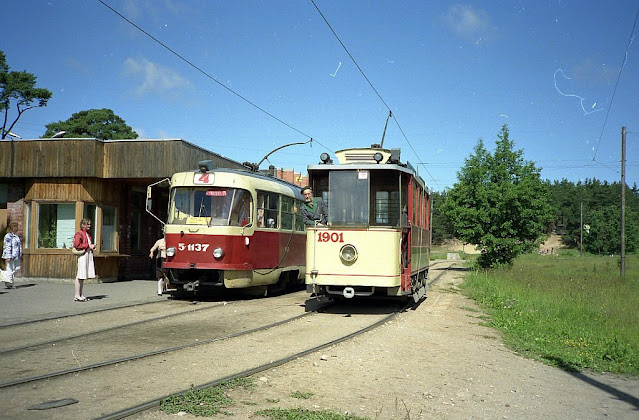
[193, 230]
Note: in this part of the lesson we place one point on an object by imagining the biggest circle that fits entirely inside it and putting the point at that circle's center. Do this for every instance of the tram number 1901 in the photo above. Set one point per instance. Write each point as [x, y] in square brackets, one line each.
[330, 237]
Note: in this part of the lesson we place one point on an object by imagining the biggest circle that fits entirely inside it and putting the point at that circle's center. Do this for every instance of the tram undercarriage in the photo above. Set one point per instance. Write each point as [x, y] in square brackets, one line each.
[419, 286]
[254, 282]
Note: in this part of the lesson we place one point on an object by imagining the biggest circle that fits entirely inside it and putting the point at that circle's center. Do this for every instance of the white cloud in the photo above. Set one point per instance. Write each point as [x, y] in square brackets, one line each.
[154, 78]
[468, 22]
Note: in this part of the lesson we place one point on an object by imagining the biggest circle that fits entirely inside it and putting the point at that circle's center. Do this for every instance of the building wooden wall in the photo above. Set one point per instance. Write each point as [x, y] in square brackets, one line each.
[105, 173]
[63, 264]
[64, 158]
[51, 158]
[158, 158]
[91, 190]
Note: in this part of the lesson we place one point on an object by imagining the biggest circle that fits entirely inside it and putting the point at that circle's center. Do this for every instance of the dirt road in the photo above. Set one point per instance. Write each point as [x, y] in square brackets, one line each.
[436, 362]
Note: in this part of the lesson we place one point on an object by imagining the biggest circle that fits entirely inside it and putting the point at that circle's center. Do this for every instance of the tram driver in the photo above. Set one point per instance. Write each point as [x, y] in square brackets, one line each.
[313, 210]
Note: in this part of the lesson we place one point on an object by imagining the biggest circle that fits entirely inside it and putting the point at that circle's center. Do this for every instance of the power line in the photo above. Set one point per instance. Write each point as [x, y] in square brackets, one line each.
[420, 162]
[623, 64]
[209, 76]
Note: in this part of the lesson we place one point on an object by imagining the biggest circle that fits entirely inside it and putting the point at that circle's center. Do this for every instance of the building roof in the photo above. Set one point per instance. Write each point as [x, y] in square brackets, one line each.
[90, 157]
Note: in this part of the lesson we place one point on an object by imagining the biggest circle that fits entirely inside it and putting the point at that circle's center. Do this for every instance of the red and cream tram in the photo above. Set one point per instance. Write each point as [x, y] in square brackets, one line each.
[234, 229]
[377, 242]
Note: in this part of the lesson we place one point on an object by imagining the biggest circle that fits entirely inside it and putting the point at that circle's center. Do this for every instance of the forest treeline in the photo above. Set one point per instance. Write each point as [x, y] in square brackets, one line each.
[591, 208]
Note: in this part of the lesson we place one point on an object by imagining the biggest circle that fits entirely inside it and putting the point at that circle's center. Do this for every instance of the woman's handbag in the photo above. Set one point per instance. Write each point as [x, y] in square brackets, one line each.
[78, 252]
[7, 276]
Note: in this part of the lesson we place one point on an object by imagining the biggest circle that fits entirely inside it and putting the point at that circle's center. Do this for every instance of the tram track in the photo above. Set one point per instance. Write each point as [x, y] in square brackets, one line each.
[98, 331]
[148, 354]
[85, 312]
[155, 403]
[100, 388]
[192, 327]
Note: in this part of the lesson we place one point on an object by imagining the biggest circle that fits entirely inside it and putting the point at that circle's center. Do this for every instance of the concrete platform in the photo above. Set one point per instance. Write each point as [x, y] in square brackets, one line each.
[36, 299]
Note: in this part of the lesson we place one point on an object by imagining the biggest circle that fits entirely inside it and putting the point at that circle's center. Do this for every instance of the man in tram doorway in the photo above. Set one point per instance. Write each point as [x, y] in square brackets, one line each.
[313, 210]
[160, 247]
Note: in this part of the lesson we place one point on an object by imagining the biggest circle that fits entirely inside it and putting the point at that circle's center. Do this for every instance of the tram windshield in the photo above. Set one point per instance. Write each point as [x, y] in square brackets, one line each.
[348, 197]
[364, 198]
[211, 206]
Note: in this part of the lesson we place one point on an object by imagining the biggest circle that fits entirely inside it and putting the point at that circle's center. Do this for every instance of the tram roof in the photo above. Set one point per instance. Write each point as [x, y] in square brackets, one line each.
[407, 168]
[256, 175]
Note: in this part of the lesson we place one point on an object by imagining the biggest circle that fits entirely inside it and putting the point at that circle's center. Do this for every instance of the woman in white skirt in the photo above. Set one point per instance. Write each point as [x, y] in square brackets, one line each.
[86, 268]
[11, 253]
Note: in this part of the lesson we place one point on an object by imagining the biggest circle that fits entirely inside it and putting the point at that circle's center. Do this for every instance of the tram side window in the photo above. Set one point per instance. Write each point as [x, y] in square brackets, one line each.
[418, 208]
[415, 203]
[267, 209]
[385, 195]
[287, 213]
[320, 186]
[240, 214]
[299, 223]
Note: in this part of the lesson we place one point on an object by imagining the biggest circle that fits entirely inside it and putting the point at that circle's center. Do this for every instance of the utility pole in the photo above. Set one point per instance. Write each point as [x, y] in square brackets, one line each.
[623, 202]
[581, 227]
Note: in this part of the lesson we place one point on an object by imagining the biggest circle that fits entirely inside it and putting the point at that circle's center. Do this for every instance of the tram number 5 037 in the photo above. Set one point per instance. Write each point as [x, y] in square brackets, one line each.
[330, 237]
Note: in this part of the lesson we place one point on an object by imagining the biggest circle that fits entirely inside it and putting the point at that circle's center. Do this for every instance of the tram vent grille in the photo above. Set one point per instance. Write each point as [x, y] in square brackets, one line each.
[359, 157]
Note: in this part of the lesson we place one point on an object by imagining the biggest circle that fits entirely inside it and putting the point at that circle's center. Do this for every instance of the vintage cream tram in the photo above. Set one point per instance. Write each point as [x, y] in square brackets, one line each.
[229, 228]
[377, 242]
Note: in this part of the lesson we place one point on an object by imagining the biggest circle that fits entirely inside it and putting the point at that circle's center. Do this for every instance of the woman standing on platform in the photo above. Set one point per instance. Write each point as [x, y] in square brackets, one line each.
[86, 268]
[11, 253]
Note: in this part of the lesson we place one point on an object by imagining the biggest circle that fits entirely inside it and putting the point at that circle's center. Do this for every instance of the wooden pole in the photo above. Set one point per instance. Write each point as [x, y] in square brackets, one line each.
[623, 202]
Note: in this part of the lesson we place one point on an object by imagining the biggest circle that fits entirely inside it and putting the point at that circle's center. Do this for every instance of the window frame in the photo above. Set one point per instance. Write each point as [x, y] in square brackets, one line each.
[33, 211]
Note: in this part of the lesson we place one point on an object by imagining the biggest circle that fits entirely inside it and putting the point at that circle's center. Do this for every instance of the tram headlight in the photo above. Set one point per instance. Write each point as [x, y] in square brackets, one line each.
[218, 253]
[378, 157]
[170, 251]
[348, 253]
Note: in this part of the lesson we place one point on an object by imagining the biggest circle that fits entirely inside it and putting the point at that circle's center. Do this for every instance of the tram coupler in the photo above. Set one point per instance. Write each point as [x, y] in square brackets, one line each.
[191, 286]
[348, 292]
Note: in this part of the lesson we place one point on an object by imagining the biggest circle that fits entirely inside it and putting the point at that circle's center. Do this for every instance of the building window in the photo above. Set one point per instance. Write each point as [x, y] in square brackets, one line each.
[90, 212]
[56, 225]
[108, 229]
[27, 227]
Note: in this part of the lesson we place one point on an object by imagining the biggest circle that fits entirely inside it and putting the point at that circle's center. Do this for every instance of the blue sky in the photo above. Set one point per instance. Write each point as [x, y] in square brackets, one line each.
[451, 72]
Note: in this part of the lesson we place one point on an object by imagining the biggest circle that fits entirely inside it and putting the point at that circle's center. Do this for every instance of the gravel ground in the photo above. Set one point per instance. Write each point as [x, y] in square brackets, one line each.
[434, 362]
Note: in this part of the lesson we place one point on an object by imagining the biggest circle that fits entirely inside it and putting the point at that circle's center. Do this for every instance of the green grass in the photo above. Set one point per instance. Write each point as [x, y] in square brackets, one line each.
[206, 402]
[303, 414]
[570, 311]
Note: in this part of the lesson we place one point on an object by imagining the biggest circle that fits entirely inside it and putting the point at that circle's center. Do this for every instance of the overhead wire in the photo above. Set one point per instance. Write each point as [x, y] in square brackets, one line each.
[623, 64]
[374, 90]
[211, 77]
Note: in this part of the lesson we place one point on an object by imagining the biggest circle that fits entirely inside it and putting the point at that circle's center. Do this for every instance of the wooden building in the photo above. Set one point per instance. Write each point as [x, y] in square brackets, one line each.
[50, 185]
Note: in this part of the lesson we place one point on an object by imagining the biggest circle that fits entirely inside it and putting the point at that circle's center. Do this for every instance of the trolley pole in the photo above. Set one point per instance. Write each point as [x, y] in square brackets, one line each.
[623, 202]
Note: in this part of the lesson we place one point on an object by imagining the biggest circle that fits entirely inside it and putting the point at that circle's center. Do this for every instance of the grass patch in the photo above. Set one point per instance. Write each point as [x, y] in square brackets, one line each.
[303, 414]
[569, 311]
[302, 395]
[206, 402]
